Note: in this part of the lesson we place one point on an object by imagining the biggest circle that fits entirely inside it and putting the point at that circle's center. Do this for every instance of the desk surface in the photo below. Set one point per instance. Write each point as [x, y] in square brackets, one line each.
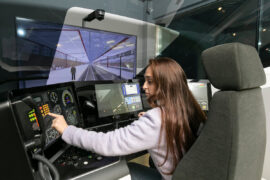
[118, 170]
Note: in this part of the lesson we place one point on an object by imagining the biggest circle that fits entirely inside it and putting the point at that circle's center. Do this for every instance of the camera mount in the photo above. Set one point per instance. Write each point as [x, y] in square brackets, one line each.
[97, 14]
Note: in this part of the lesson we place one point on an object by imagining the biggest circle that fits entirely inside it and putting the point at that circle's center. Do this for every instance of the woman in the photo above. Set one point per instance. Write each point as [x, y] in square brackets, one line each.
[167, 131]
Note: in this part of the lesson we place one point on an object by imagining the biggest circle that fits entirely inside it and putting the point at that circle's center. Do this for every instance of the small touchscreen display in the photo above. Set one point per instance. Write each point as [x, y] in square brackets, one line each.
[118, 98]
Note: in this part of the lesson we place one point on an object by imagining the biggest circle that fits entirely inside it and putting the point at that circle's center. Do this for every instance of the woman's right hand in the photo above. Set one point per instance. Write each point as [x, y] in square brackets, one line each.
[59, 123]
[141, 114]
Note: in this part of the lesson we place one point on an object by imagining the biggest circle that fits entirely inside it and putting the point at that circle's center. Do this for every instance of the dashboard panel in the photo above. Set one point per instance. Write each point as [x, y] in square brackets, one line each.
[31, 107]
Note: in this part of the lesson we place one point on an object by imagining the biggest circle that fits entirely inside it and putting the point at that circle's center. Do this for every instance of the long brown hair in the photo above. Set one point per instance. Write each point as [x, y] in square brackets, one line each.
[181, 114]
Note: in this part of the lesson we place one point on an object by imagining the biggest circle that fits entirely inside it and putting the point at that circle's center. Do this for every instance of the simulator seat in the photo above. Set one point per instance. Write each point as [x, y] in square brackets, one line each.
[232, 143]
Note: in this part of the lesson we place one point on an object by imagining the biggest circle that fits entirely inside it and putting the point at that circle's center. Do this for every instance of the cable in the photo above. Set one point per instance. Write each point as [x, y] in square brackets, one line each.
[49, 164]
[41, 170]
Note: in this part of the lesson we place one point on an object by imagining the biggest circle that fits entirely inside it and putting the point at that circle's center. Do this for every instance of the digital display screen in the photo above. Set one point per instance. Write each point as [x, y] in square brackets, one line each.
[70, 53]
[84, 54]
[117, 98]
[67, 97]
[32, 116]
[33, 120]
[200, 92]
[130, 89]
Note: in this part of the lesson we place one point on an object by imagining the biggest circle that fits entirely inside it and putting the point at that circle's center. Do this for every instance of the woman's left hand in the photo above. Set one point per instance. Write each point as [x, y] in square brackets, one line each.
[59, 123]
[141, 114]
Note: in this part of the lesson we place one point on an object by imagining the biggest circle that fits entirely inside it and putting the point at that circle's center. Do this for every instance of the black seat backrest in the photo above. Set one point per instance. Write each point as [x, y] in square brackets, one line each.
[231, 145]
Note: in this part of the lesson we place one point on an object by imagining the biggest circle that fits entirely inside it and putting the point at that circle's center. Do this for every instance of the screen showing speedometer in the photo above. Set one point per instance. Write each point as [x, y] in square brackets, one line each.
[67, 97]
[53, 97]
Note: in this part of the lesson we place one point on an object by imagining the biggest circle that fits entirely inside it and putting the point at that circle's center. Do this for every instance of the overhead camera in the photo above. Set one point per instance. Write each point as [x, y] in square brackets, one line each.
[97, 14]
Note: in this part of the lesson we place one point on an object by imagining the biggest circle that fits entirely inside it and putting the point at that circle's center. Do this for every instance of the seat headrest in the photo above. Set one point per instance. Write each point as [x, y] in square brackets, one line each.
[233, 66]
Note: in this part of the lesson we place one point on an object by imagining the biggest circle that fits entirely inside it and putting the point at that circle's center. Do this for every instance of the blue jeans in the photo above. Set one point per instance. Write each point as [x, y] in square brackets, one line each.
[140, 172]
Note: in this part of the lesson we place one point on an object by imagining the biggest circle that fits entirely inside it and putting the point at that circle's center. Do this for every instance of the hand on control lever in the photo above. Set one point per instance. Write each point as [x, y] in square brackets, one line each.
[59, 123]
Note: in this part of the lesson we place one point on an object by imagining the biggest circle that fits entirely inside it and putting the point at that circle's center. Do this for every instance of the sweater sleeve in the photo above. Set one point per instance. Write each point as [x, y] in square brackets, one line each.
[141, 135]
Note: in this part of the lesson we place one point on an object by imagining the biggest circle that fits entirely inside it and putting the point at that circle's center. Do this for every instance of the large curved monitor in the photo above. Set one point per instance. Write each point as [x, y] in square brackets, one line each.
[61, 53]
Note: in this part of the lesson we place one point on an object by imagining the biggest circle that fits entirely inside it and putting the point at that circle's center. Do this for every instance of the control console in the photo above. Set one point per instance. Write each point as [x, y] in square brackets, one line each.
[31, 108]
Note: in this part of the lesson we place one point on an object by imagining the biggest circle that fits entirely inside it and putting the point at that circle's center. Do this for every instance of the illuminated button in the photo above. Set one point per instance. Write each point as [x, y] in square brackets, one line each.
[85, 162]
